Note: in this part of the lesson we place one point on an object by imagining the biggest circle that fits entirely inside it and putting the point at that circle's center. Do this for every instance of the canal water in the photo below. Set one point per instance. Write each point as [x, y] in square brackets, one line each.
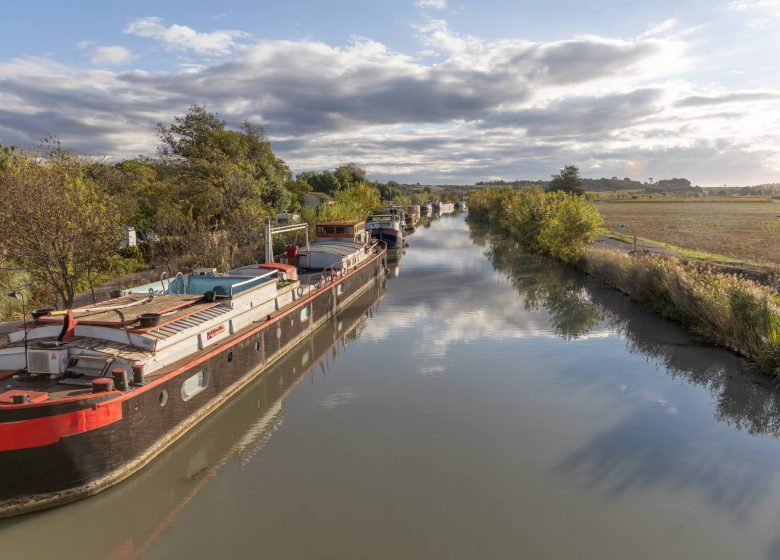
[482, 404]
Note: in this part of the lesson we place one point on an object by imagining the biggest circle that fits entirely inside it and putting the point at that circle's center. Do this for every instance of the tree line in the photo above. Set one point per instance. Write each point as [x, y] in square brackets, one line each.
[199, 201]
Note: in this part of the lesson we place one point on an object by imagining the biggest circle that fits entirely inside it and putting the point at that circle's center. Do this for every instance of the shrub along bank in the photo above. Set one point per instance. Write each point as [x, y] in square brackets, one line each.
[554, 223]
[726, 309]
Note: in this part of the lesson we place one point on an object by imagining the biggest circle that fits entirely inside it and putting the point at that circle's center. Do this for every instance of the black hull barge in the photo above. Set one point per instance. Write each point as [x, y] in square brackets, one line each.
[90, 397]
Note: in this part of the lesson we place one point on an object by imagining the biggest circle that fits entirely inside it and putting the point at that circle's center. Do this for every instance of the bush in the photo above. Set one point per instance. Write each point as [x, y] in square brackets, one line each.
[132, 252]
[555, 223]
[734, 312]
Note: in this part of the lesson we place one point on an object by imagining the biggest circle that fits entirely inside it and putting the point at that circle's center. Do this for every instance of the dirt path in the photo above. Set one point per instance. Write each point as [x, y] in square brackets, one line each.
[604, 242]
[762, 274]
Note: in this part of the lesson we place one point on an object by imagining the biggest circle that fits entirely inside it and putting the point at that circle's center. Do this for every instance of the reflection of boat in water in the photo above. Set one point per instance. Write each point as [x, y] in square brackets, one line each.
[74, 420]
[394, 257]
[235, 434]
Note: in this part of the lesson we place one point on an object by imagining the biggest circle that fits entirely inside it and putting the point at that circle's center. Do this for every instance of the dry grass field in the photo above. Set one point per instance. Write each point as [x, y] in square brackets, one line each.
[745, 230]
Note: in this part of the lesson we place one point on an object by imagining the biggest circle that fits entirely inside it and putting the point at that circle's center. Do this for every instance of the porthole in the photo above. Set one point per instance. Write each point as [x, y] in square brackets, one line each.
[230, 356]
[194, 385]
[163, 397]
[257, 345]
[339, 289]
[278, 332]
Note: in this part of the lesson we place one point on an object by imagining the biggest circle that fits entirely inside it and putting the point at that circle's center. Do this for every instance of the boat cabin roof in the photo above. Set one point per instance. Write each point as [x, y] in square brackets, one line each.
[341, 223]
[342, 249]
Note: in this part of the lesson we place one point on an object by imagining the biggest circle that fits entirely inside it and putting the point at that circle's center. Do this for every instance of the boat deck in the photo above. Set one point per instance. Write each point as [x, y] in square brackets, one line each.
[131, 307]
[180, 312]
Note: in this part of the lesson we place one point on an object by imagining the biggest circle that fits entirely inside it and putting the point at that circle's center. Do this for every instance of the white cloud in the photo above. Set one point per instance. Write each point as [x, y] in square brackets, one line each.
[432, 4]
[183, 38]
[111, 55]
[760, 12]
[507, 108]
[660, 28]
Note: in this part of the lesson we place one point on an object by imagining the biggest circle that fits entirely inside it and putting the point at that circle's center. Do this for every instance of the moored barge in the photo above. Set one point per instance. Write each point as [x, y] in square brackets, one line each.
[90, 396]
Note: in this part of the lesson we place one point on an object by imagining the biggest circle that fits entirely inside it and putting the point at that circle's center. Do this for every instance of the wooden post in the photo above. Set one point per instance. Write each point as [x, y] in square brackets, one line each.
[635, 243]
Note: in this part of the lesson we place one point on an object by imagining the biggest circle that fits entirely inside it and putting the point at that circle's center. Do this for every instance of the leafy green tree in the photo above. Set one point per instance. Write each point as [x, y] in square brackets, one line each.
[354, 203]
[324, 182]
[57, 223]
[568, 180]
[349, 175]
[224, 166]
[228, 179]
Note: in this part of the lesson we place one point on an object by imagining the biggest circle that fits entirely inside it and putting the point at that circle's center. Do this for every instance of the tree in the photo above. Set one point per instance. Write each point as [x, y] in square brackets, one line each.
[349, 175]
[228, 179]
[568, 180]
[57, 223]
[224, 166]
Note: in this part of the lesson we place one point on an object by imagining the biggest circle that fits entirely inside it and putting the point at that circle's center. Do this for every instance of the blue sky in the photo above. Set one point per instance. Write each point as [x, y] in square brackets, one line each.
[414, 90]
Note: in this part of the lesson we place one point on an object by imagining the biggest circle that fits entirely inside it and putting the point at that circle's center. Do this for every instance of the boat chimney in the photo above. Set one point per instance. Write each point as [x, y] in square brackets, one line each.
[269, 245]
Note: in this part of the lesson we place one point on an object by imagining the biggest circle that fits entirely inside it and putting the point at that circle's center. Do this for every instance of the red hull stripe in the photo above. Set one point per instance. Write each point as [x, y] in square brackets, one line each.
[38, 432]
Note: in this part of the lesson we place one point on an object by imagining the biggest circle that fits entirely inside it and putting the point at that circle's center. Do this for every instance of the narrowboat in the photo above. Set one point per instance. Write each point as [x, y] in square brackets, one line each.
[92, 395]
[386, 228]
[442, 207]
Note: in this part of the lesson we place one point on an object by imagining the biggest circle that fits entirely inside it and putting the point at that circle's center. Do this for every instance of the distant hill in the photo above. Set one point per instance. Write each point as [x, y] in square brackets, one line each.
[680, 186]
[610, 185]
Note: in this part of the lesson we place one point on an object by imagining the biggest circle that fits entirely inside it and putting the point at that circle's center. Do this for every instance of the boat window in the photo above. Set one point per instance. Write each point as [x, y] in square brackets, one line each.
[344, 230]
[163, 397]
[194, 385]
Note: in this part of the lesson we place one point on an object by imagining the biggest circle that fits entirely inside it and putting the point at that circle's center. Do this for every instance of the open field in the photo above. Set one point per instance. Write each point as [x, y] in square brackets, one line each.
[741, 230]
[683, 199]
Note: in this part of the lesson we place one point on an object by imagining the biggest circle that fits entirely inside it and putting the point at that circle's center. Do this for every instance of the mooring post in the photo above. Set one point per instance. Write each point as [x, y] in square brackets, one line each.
[635, 243]
[269, 246]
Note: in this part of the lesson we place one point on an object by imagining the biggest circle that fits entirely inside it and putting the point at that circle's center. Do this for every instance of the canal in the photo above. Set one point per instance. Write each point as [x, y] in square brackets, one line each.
[482, 404]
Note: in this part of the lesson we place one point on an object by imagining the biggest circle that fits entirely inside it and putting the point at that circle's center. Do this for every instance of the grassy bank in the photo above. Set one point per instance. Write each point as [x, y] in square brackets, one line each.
[726, 309]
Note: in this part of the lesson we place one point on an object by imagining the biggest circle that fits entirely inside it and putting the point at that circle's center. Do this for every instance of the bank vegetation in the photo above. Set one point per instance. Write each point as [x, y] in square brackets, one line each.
[726, 309]
[200, 201]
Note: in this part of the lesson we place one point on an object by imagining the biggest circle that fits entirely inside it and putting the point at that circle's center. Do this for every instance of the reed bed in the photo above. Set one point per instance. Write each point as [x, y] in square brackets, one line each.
[726, 309]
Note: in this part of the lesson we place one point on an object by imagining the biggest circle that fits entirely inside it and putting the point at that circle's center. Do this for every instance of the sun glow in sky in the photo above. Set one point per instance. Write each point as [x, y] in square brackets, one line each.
[421, 90]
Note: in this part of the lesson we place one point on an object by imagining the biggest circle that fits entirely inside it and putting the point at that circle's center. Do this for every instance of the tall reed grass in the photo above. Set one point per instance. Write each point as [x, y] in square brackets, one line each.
[726, 309]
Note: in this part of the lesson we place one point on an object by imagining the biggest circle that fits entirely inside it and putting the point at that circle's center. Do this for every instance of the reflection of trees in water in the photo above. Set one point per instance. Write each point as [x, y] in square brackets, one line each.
[577, 304]
[542, 284]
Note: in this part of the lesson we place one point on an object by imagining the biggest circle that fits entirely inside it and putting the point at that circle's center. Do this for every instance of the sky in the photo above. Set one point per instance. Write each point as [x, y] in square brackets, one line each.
[430, 91]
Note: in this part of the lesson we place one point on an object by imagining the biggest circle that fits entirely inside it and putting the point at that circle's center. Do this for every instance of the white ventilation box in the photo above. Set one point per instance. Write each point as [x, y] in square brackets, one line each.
[51, 362]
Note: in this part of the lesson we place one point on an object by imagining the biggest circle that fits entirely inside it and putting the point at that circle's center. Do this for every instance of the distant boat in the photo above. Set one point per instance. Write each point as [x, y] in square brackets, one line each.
[93, 394]
[386, 228]
[443, 207]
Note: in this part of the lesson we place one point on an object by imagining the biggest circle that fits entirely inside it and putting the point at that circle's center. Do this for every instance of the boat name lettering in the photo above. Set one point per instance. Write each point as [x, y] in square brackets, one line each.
[215, 331]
